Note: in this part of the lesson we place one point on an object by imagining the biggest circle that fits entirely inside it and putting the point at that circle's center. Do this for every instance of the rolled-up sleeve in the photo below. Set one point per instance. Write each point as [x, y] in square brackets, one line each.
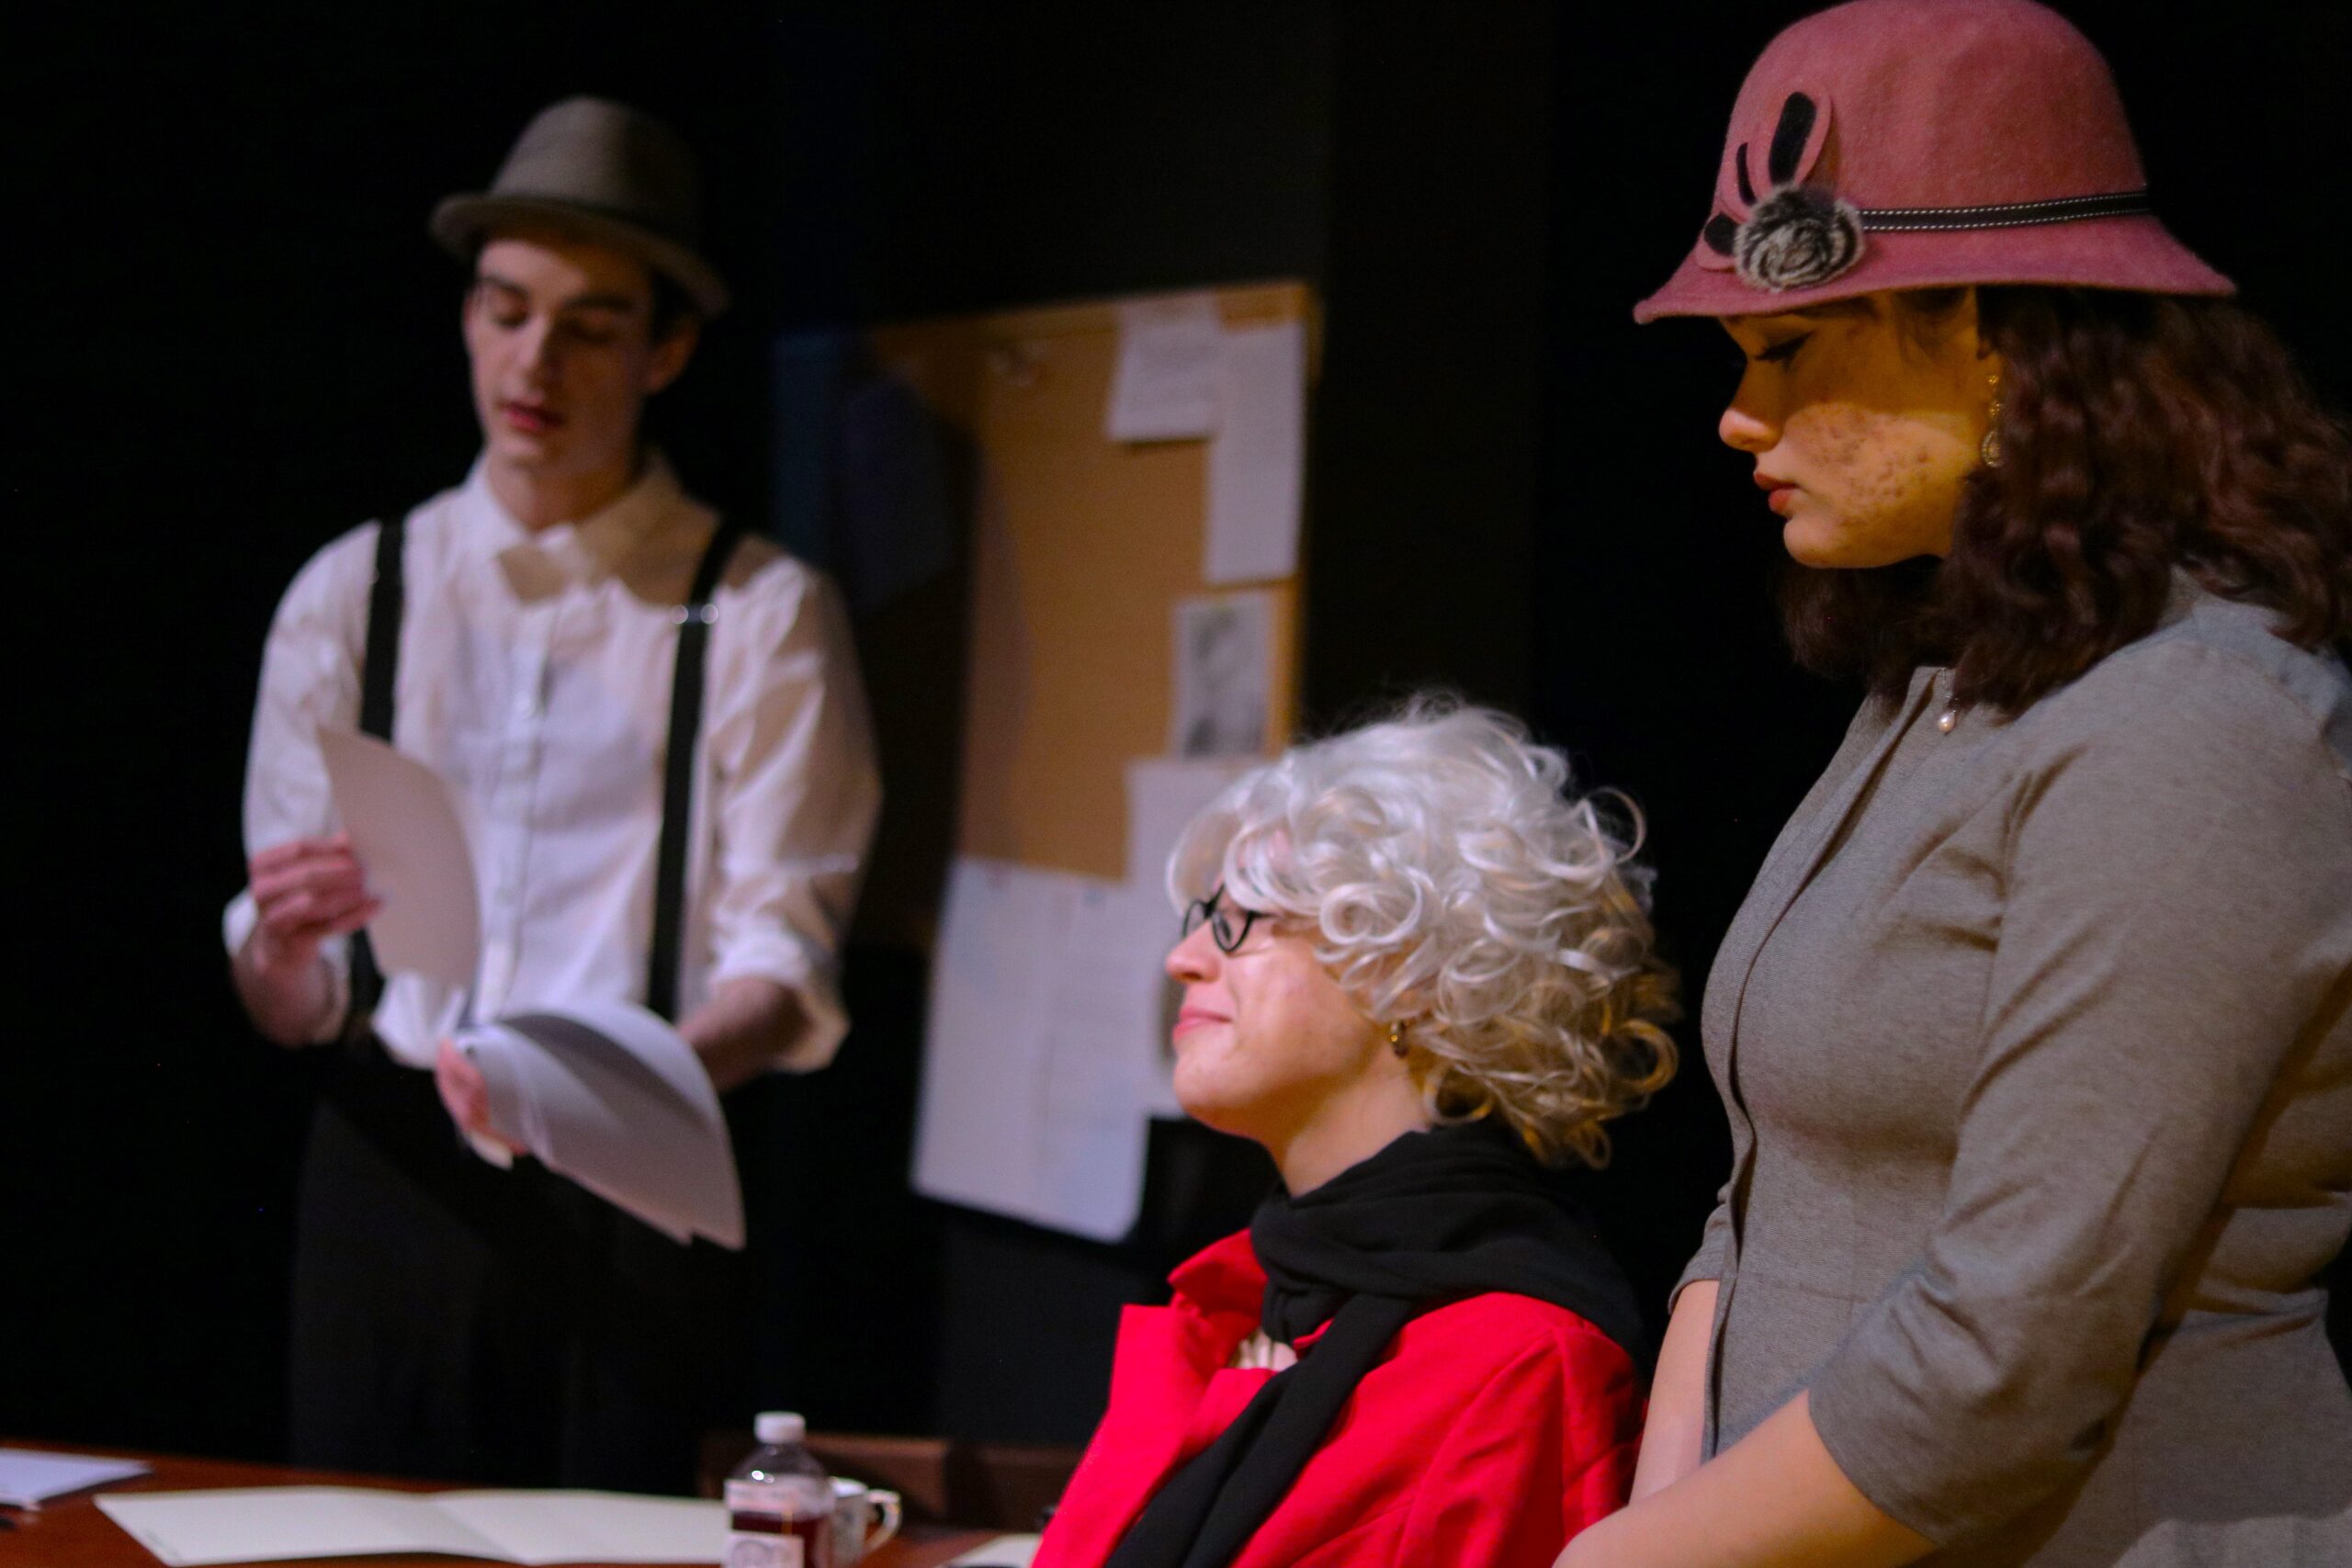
[795, 794]
[2177, 911]
[309, 679]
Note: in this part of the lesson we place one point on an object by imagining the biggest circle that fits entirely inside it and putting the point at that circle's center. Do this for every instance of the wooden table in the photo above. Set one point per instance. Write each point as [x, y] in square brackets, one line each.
[72, 1533]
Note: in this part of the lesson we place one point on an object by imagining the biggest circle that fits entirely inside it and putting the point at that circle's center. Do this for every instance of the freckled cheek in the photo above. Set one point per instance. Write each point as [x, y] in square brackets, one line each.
[1872, 465]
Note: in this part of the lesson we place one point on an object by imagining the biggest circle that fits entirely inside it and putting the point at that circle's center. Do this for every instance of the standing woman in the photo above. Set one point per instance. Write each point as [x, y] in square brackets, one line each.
[2033, 1031]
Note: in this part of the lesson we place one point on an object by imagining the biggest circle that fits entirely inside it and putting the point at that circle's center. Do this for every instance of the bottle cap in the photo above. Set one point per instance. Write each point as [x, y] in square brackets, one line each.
[774, 1427]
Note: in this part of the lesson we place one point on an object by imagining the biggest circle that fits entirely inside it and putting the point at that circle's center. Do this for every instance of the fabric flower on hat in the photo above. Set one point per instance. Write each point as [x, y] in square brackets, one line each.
[1798, 236]
[1801, 232]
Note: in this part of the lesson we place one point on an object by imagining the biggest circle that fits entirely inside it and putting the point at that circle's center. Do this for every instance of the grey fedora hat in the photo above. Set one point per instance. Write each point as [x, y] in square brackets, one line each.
[608, 172]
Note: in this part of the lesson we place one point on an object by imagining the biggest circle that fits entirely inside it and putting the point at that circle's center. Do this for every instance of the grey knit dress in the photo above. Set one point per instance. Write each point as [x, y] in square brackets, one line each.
[2036, 1039]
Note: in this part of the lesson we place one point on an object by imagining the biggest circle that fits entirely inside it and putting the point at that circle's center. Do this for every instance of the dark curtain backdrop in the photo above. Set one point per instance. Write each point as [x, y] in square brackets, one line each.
[231, 339]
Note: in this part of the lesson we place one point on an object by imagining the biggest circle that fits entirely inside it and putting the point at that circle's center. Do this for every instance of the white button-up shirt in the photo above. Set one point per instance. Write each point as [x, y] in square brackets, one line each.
[535, 675]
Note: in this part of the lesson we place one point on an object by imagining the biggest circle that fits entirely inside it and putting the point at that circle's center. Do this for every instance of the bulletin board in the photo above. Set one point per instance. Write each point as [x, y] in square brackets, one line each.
[1081, 547]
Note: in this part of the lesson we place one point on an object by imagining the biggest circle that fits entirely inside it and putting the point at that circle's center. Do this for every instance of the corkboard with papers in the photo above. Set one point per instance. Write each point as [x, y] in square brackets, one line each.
[1084, 547]
[1132, 643]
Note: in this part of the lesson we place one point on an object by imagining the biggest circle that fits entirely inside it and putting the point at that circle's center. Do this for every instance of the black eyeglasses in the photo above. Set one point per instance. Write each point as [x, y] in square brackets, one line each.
[1228, 923]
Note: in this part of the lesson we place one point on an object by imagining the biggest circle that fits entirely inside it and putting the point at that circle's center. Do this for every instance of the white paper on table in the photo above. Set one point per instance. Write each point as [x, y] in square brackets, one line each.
[1256, 463]
[1004, 1551]
[1164, 793]
[187, 1530]
[1225, 655]
[30, 1477]
[1030, 1094]
[1169, 382]
[593, 1527]
[267, 1524]
[406, 829]
[609, 1095]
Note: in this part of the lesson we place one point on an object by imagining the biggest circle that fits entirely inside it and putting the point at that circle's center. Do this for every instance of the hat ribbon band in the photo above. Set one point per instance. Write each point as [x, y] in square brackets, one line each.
[2004, 215]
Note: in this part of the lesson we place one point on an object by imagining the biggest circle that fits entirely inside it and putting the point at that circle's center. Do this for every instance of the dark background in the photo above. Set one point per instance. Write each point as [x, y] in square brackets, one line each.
[230, 340]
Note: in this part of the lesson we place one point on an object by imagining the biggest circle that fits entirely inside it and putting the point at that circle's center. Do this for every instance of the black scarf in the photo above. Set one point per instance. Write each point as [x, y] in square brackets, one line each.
[1433, 1218]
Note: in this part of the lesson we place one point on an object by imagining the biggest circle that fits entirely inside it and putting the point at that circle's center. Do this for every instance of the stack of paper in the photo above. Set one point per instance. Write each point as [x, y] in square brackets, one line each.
[603, 1092]
[273, 1523]
[608, 1095]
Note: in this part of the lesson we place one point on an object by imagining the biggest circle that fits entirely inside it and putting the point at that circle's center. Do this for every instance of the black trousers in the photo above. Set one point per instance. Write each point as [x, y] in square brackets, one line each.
[456, 1322]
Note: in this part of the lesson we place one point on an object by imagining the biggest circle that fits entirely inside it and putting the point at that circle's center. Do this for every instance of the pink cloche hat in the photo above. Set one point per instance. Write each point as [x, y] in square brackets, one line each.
[1926, 143]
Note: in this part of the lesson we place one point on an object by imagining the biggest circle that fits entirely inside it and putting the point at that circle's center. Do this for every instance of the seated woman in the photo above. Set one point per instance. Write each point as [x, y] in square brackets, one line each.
[1414, 969]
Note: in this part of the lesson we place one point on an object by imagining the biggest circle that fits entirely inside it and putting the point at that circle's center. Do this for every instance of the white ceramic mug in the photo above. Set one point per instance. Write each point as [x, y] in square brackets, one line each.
[863, 1518]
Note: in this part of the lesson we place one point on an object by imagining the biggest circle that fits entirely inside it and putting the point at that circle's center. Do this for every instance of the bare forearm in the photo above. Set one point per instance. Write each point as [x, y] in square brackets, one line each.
[1675, 1431]
[1775, 1499]
[290, 1003]
[743, 1030]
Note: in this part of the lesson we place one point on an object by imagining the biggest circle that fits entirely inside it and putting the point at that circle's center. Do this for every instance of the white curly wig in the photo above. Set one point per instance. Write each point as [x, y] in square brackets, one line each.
[1454, 888]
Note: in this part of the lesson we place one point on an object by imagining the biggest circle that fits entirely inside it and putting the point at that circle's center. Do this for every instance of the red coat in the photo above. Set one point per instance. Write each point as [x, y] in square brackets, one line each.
[1494, 1431]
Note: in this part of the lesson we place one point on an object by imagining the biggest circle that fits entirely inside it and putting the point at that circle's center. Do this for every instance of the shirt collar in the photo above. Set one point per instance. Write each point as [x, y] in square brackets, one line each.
[577, 551]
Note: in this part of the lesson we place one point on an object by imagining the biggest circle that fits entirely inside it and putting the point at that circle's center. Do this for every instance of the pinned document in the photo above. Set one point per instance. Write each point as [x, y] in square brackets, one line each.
[1257, 464]
[1224, 660]
[1046, 1013]
[1169, 383]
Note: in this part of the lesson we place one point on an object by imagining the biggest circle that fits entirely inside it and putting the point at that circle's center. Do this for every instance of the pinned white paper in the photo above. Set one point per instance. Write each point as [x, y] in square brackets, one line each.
[1164, 793]
[406, 830]
[1257, 464]
[1038, 1049]
[1169, 383]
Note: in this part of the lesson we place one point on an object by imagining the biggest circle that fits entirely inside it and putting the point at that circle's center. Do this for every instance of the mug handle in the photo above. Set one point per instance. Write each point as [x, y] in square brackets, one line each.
[889, 1504]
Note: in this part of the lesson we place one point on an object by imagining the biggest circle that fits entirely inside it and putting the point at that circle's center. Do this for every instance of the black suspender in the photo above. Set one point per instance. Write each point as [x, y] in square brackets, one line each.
[378, 669]
[381, 665]
[678, 775]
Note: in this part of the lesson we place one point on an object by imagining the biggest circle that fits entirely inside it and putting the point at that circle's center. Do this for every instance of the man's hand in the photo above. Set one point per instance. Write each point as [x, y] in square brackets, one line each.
[466, 1094]
[305, 891]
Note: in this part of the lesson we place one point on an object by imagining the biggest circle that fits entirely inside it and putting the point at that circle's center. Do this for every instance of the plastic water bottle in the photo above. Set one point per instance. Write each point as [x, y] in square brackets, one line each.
[780, 1501]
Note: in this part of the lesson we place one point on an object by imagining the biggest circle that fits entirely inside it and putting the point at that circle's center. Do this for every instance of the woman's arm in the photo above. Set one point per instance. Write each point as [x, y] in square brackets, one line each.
[1775, 1497]
[1678, 1419]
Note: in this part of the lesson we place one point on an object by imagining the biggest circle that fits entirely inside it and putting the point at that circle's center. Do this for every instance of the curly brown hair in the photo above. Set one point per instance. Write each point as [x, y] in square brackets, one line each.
[2138, 433]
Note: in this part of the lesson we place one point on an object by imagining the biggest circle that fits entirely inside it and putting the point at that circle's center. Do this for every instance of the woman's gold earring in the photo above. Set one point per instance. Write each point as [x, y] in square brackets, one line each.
[1397, 1038]
[1989, 449]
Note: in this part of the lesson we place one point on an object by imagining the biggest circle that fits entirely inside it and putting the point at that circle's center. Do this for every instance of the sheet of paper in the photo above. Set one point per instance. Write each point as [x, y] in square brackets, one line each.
[1004, 1551]
[592, 1527]
[1257, 462]
[1169, 382]
[271, 1524]
[1225, 655]
[267, 1524]
[609, 1095]
[1105, 1048]
[1164, 793]
[30, 1478]
[405, 828]
[1031, 1095]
